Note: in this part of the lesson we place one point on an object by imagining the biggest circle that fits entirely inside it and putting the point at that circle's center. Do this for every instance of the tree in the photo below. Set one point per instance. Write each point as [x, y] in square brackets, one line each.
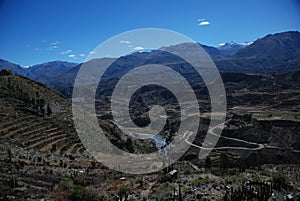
[123, 190]
[9, 154]
[225, 198]
[224, 162]
[41, 104]
[49, 110]
[208, 163]
[179, 194]
[129, 145]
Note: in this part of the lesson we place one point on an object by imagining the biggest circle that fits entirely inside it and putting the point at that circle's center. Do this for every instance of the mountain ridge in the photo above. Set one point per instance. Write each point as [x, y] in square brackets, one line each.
[46, 72]
[274, 53]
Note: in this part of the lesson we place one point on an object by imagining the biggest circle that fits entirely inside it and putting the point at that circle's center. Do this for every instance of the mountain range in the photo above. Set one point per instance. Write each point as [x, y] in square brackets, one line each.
[274, 53]
[43, 73]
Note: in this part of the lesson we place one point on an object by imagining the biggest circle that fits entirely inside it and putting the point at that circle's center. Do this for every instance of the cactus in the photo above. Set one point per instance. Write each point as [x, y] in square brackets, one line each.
[264, 192]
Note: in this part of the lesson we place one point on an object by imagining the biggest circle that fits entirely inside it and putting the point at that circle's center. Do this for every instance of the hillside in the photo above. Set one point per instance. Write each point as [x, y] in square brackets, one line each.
[277, 53]
[47, 72]
[39, 149]
[43, 73]
[36, 117]
[38, 142]
[36, 131]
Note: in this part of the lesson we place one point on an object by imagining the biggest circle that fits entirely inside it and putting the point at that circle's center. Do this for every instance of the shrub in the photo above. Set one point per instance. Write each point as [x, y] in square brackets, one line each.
[118, 175]
[279, 181]
[123, 189]
[93, 194]
[200, 181]
[166, 178]
[66, 184]
[187, 171]
[78, 193]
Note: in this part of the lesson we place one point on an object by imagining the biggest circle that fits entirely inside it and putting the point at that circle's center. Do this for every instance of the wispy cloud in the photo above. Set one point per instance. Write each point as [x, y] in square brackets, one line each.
[92, 52]
[66, 52]
[72, 56]
[124, 41]
[138, 48]
[203, 22]
[53, 45]
[82, 55]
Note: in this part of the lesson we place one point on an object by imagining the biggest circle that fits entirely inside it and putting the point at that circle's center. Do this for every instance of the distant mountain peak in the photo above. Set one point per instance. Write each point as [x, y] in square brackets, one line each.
[283, 45]
[232, 44]
[231, 47]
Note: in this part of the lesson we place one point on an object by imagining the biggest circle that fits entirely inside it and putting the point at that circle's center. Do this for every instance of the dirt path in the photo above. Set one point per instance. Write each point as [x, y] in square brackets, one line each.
[211, 132]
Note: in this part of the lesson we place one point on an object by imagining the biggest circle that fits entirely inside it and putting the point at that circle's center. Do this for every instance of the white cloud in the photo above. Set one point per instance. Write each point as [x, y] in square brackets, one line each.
[66, 52]
[92, 52]
[221, 44]
[72, 55]
[204, 23]
[124, 41]
[54, 47]
[138, 48]
[82, 55]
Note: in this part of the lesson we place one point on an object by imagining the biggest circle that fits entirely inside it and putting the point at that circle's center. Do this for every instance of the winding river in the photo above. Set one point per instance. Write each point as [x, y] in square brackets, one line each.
[158, 139]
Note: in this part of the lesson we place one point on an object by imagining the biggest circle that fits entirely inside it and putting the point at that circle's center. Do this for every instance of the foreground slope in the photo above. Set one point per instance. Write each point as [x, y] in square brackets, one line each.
[38, 142]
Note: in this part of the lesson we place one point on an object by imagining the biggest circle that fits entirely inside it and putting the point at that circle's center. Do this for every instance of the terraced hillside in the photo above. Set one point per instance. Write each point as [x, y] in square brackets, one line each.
[36, 117]
[38, 142]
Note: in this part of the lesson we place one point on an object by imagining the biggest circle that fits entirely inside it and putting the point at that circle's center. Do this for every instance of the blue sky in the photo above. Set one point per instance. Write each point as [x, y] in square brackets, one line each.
[35, 31]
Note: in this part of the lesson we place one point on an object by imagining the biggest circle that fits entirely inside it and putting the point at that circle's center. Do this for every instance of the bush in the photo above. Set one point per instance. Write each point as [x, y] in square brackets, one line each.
[66, 184]
[187, 171]
[118, 175]
[200, 181]
[279, 181]
[93, 194]
[123, 189]
[166, 178]
[78, 193]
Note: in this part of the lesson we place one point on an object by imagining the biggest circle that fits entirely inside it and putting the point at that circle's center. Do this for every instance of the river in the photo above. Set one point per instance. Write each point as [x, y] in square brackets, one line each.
[159, 140]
